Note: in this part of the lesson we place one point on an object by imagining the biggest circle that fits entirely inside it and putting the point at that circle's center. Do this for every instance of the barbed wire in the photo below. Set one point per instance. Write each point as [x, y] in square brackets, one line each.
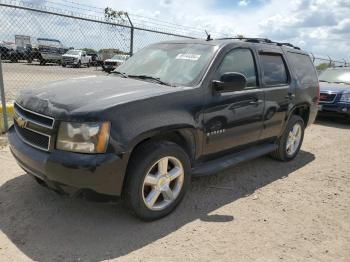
[158, 26]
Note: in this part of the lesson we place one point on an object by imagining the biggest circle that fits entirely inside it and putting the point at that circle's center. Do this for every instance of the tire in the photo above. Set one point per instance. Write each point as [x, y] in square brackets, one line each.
[284, 153]
[144, 163]
[88, 65]
[79, 64]
[63, 65]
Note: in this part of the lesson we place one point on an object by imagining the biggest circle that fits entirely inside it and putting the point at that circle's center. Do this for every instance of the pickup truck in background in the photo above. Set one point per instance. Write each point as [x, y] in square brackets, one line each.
[76, 58]
[112, 63]
[47, 50]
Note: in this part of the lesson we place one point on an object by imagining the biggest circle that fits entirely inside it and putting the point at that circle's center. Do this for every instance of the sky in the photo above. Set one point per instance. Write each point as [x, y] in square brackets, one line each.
[318, 26]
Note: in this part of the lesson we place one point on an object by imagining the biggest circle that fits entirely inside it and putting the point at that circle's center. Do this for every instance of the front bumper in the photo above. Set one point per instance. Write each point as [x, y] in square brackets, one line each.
[51, 57]
[334, 109]
[102, 173]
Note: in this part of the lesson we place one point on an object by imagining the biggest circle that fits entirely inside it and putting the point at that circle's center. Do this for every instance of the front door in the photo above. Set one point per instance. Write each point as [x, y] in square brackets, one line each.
[233, 119]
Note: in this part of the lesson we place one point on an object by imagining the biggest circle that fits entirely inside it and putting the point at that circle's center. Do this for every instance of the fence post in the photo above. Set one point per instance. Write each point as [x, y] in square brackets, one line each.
[3, 101]
[131, 35]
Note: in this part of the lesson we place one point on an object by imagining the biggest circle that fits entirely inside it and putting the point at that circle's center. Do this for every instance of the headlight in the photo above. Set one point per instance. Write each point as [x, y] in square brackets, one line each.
[83, 137]
[345, 98]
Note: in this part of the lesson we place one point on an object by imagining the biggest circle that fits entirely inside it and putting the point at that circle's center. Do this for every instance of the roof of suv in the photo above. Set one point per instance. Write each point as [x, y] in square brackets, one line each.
[248, 41]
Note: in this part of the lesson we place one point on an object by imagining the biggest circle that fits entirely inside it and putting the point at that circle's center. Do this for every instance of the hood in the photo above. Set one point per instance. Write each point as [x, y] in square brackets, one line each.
[88, 94]
[334, 87]
[69, 55]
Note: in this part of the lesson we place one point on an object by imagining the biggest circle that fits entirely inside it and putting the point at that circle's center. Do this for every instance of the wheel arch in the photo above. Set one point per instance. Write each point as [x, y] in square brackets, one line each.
[302, 110]
[184, 136]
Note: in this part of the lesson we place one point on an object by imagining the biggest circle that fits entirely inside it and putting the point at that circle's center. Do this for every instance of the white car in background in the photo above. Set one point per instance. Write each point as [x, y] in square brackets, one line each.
[112, 63]
[76, 58]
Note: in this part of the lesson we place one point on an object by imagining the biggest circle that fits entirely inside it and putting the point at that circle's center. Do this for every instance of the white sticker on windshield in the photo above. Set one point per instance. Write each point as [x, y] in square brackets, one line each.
[192, 57]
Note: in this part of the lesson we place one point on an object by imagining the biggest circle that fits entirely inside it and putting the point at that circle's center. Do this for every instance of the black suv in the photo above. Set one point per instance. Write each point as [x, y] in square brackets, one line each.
[173, 110]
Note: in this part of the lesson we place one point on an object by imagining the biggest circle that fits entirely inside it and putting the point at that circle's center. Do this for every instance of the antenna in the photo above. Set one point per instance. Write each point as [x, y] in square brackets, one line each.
[208, 35]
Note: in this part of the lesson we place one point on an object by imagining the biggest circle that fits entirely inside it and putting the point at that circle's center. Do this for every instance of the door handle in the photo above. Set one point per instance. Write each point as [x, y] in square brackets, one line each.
[290, 96]
[254, 102]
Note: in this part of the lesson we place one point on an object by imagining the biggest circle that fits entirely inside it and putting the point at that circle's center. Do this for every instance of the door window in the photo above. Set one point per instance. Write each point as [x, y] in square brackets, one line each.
[240, 61]
[274, 70]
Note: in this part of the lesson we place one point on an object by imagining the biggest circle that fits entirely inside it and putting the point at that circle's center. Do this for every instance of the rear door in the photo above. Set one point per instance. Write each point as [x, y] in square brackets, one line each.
[278, 91]
[234, 119]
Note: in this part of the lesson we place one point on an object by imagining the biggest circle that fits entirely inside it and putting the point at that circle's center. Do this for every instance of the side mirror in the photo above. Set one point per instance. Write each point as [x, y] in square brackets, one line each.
[230, 82]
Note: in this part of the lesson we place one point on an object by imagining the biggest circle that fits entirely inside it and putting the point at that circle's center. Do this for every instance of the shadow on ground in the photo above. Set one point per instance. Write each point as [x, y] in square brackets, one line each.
[338, 122]
[49, 227]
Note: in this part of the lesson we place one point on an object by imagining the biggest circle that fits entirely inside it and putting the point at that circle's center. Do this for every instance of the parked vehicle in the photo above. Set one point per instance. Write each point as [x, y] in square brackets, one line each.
[335, 92]
[7, 52]
[76, 58]
[143, 130]
[48, 51]
[95, 59]
[112, 63]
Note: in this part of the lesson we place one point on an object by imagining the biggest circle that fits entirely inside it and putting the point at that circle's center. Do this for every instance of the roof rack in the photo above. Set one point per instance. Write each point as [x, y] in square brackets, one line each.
[259, 40]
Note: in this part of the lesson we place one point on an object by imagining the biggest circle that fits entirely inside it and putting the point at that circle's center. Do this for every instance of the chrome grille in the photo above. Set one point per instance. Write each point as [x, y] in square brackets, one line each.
[111, 63]
[327, 97]
[40, 141]
[68, 60]
[33, 128]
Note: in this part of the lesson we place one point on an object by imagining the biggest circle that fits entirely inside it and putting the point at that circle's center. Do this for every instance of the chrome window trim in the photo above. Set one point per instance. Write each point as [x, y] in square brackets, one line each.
[33, 121]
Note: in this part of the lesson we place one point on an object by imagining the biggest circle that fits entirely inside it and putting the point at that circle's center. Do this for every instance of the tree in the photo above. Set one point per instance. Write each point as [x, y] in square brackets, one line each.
[89, 50]
[114, 16]
[323, 66]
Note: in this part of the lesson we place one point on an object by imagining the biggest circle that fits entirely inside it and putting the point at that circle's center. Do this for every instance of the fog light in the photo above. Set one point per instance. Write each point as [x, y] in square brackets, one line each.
[344, 109]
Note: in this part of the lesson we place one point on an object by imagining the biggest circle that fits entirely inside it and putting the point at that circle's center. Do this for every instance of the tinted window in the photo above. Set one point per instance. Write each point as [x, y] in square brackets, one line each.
[240, 61]
[303, 68]
[274, 70]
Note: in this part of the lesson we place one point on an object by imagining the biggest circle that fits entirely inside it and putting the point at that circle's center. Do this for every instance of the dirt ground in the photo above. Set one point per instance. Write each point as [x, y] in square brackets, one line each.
[262, 210]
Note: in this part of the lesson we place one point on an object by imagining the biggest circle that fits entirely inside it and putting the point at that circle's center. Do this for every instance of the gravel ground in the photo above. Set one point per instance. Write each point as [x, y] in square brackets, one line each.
[262, 210]
[20, 75]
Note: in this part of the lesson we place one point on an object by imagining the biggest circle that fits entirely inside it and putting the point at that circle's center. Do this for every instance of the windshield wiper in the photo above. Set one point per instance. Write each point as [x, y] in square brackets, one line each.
[120, 73]
[323, 81]
[155, 79]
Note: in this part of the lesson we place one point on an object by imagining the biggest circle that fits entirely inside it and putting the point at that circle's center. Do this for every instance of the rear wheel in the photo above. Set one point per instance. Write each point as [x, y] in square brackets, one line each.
[291, 140]
[158, 177]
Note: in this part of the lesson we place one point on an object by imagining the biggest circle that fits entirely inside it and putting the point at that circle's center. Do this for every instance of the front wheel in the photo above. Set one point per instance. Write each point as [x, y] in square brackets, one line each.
[158, 177]
[290, 142]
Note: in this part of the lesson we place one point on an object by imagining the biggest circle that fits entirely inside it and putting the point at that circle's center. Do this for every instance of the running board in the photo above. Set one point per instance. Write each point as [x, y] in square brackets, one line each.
[220, 164]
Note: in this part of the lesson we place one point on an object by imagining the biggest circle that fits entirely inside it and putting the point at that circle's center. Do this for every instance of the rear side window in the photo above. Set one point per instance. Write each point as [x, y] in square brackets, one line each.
[303, 68]
[274, 69]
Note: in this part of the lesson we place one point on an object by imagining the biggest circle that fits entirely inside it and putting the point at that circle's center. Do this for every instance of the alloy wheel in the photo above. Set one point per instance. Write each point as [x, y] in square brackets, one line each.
[163, 183]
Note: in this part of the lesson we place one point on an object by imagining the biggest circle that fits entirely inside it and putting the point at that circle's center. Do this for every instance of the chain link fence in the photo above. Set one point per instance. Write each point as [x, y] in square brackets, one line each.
[39, 44]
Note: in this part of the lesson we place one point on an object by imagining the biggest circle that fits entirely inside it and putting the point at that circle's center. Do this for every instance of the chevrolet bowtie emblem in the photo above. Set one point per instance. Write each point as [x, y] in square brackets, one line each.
[21, 122]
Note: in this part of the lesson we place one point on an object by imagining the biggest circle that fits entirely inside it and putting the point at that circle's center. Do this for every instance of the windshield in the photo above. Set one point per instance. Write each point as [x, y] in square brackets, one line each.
[335, 76]
[73, 52]
[176, 64]
[119, 57]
